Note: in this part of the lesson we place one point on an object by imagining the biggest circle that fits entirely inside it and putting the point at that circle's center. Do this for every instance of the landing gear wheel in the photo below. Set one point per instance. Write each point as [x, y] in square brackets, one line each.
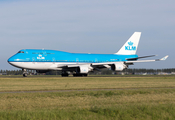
[64, 74]
[25, 75]
[80, 75]
[24, 72]
[85, 75]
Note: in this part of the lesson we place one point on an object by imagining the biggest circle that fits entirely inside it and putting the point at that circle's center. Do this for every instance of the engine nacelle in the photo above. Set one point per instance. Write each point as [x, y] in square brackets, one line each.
[42, 71]
[83, 69]
[118, 67]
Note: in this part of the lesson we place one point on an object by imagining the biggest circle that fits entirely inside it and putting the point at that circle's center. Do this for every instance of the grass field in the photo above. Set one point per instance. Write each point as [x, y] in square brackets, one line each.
[138, 98]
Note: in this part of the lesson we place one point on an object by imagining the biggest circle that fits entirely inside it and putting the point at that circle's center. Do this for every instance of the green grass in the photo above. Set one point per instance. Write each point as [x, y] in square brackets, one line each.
[123, 104]
[133, 104]
[57, 83]
[154, 112]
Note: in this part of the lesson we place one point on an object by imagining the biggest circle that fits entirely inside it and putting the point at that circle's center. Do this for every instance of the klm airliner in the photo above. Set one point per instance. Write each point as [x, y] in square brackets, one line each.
[79, 64]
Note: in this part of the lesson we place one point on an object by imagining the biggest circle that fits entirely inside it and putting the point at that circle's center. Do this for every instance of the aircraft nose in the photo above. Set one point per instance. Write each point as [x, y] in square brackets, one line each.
[11, 59]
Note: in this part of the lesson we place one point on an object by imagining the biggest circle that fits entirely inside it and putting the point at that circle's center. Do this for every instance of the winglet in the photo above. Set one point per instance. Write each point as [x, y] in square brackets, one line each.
[164, 58]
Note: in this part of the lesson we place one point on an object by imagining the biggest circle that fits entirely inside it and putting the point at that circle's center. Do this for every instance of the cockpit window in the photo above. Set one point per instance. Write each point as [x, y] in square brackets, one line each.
[21, 52]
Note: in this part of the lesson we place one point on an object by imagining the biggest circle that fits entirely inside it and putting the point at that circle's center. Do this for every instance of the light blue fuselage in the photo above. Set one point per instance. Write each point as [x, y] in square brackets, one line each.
[35, 55]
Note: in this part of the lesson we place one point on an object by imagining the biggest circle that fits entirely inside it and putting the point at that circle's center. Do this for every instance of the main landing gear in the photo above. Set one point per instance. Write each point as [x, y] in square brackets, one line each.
[64, 74]
[80, 75]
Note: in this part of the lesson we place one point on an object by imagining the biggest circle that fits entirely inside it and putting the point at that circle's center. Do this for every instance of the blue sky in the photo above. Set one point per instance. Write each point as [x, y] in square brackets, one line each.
[94, 26]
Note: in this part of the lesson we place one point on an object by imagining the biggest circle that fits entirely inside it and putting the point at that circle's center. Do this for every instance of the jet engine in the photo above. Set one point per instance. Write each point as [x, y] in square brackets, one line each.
[83, 69]
[118, 66]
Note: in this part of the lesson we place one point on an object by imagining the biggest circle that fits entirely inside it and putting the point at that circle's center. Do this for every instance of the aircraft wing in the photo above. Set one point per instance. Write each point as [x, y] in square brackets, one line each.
[130, 62]
[106, 64]
[140, 57]
[164, 58]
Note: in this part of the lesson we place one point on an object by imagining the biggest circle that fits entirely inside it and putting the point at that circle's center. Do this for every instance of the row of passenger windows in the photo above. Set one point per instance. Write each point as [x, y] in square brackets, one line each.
[83, 61]
[64, 61]
[42, 53]
[35, 53]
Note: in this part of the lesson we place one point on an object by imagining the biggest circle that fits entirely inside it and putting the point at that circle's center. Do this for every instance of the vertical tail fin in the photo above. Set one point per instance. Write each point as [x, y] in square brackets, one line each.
[130, 47]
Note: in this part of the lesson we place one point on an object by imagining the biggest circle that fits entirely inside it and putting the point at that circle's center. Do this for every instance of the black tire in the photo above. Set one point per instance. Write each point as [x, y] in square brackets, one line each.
[80, 75]
[75, 75]
[64, 75]
[85, 75]
[25, 75]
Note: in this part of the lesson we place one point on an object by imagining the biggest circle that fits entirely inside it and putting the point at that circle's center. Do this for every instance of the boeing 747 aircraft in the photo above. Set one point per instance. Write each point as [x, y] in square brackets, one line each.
[79, 64]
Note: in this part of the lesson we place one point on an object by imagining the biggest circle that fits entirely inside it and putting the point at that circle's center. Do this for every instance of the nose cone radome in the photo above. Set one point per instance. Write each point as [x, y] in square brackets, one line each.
[11, 59]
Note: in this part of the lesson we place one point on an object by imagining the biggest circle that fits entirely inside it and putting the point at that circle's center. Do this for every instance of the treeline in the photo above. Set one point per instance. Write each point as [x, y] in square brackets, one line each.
[129, 71]
[150, 70]
[135, 71]
[11, 72]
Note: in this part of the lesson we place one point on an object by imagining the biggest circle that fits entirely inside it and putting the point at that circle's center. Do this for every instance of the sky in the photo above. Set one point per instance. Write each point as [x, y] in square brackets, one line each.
[93, 26]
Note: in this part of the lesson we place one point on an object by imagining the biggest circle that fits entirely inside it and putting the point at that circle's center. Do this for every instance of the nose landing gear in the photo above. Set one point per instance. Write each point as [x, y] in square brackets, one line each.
[24, 72]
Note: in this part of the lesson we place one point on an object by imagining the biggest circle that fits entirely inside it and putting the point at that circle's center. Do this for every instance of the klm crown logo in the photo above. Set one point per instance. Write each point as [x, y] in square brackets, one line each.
[40, 57]
[130, 43]
[130, 47]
